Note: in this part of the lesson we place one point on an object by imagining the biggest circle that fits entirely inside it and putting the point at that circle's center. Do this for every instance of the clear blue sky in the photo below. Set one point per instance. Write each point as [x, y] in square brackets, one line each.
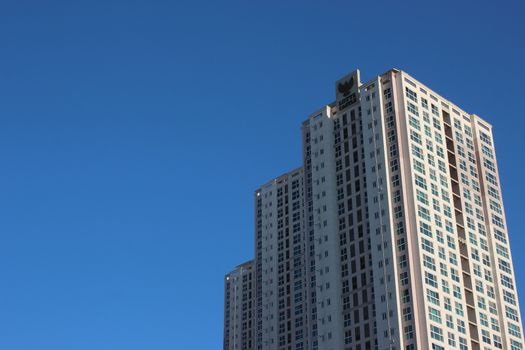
[133, 134]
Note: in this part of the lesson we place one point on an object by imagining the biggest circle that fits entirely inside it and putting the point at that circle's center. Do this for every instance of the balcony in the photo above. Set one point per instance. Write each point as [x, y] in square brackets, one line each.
[457, 201]
[450, 145]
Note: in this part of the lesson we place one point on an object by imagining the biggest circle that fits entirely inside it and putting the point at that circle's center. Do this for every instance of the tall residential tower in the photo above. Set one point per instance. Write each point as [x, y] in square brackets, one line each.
[392, 235]
[239, 307]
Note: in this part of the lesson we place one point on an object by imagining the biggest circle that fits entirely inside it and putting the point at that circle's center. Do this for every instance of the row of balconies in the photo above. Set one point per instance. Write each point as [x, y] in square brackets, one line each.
[465, 266]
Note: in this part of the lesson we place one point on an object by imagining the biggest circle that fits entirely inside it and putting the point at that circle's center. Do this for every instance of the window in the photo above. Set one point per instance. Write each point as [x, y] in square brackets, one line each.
[420, 182]
[409, 332]
[511, 314]
[411, 94]
[434, 314]
[425, 229]
[429, 262]
[414, 122]
[404, 278]
[507, 282]
[433, 297]
[509, 297]
[427, 245]
[424, 103]
[436, 333]
[430, 279]
[423, 213]
[514, 330]
[416, 137]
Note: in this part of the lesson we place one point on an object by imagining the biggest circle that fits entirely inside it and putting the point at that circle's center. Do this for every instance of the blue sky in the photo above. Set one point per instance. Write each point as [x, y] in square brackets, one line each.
[133, 134]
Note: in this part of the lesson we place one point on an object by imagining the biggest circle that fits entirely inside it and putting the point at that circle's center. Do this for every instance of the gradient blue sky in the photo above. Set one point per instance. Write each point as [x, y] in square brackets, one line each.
[133, 134]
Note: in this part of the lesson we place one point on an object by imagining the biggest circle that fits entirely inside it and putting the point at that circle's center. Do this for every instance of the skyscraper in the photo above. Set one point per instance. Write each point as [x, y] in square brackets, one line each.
[285, 274]
[239, 307]
[392, 235]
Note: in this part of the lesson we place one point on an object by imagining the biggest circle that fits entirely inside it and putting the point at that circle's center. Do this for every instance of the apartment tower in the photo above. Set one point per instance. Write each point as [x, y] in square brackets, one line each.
[392, 234]
[239, 307]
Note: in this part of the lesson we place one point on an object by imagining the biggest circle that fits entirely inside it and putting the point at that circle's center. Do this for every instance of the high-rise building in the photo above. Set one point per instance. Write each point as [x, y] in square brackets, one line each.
[239, 307]
[392, 235]
[285, 291]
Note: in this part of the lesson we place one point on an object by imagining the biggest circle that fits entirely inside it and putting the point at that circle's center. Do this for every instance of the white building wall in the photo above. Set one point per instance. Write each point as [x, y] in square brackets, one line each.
[284, 288]
[325, 225]
[380, 217]
[239, 308]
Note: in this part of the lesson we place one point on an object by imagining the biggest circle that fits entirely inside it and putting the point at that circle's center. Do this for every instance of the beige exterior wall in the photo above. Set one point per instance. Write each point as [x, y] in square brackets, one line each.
[455, 274]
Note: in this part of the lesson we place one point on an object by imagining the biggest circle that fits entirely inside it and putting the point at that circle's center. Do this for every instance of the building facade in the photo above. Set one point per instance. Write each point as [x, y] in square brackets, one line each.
[283, 269]
[239, 308]
[392, 235]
